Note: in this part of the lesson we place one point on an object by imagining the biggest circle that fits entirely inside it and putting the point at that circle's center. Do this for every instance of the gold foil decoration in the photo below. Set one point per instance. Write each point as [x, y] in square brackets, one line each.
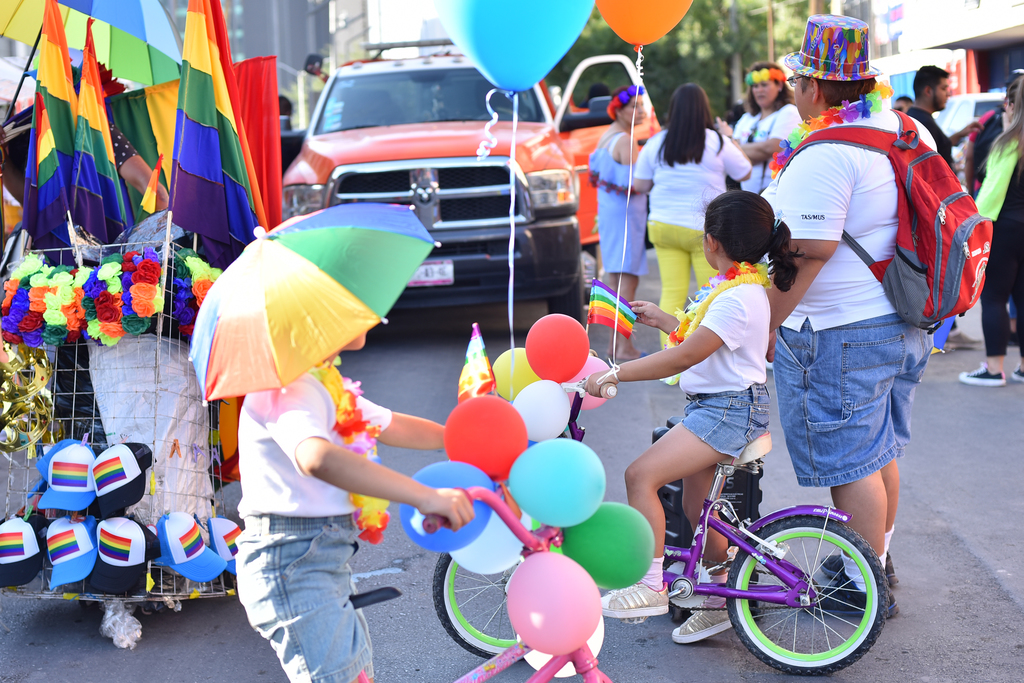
[27, 406]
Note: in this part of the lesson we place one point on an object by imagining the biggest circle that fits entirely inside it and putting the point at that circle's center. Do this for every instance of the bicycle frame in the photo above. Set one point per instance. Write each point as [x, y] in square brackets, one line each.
[795, 593]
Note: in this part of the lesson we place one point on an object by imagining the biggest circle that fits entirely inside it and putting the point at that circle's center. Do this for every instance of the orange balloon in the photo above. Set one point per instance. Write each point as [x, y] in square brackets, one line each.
[643, 24]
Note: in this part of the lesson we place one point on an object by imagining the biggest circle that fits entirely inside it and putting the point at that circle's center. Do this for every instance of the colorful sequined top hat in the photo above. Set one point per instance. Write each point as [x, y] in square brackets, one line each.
[835, 48]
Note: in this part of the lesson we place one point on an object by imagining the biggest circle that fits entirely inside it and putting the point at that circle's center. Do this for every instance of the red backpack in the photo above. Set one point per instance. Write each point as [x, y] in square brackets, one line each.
[942, 242]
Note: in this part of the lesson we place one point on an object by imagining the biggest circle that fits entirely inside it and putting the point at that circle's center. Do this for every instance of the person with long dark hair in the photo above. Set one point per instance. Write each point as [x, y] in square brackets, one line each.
[621, 227]
[771, 116]
[684, 167]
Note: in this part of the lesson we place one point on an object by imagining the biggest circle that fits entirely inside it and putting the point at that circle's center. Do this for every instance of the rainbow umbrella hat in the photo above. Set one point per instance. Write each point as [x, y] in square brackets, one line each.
[298, 295]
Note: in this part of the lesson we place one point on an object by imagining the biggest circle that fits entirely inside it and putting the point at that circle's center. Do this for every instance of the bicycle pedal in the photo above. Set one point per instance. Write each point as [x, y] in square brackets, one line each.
[634, 620]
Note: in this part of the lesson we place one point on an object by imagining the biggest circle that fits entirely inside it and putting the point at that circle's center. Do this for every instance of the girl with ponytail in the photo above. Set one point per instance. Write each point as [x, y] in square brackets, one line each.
[716, 352]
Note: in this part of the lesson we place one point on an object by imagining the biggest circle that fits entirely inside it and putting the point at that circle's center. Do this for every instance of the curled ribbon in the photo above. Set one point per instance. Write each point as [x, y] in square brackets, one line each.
[484, 150]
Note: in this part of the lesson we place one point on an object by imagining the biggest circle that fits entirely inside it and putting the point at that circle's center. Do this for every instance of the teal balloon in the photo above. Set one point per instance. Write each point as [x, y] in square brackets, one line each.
[559, 482]
[615, 545]
[514, 43]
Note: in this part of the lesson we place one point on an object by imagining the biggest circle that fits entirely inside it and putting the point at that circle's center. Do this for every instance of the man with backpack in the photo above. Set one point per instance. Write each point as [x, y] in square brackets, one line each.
[847, 361]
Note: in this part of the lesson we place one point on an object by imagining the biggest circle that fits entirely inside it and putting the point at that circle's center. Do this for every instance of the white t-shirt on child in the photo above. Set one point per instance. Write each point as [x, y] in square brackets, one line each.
[272, 425]
[740, 317]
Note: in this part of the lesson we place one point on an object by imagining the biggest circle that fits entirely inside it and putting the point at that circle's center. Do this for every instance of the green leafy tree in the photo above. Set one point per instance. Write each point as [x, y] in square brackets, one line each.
[698, 50]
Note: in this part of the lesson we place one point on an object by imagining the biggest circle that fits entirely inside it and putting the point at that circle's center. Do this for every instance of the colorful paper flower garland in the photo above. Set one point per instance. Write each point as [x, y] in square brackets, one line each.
[55, 305]
[847, 112]
[762, 75]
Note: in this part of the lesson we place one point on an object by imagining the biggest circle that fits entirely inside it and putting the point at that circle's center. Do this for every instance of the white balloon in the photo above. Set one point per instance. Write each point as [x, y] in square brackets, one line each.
[544, 408]
[494, 551]
[538, 659]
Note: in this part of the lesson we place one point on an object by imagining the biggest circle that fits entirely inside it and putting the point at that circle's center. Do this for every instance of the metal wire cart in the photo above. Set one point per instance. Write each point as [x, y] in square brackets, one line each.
[139, 389]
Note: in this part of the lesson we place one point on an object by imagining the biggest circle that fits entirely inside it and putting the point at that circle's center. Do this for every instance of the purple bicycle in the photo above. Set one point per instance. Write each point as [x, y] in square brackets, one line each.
[805, 593]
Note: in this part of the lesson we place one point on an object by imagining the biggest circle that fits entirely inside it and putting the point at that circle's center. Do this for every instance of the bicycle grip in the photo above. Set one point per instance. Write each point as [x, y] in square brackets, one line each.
[609, 390]
[431, 523]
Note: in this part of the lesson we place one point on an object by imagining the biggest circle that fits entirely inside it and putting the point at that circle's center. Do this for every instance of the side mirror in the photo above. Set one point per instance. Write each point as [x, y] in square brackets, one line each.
[596, 115]
[314, 66]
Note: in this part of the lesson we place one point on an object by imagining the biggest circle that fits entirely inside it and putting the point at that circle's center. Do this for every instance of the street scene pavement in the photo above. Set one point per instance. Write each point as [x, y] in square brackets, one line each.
[957, 548]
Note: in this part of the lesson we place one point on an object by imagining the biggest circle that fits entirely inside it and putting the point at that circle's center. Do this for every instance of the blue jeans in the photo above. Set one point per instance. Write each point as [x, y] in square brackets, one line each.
[845, 396]
[294, 582]
[729, 420]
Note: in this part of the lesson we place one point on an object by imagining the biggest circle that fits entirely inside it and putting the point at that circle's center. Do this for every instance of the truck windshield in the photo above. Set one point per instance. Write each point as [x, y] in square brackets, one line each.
[417, 96]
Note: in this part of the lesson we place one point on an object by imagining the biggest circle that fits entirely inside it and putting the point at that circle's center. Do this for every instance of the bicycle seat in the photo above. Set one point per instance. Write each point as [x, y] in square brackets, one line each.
[757, 448]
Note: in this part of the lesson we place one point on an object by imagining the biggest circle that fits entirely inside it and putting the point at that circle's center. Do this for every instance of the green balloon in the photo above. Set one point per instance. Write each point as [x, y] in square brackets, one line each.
[615, 545]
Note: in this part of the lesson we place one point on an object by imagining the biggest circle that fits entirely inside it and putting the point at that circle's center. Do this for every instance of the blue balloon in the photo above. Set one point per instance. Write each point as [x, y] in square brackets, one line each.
[514, 43]
[559, 482]
[448, 475]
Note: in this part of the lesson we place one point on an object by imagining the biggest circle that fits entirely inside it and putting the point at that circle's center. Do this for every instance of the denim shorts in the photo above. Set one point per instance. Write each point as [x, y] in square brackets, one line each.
[729, 420]
[294, 582]
[845, 396]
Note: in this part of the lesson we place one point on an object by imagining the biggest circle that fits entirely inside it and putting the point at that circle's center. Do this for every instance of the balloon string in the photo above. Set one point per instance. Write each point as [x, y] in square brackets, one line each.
[491, 142]
[512, 166]
[629, 193]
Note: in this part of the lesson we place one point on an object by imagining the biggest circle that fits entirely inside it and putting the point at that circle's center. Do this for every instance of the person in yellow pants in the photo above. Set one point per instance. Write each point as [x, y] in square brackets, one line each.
[679, 249]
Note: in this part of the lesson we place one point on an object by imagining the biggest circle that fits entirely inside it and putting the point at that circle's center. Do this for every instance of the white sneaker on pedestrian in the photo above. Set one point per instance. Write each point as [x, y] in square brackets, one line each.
[702, 624]
[637, 600]
[983, 378]
[1017, 375]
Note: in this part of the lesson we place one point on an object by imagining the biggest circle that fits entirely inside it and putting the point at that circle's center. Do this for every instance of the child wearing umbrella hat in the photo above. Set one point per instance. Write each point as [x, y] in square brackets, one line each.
[302, 450]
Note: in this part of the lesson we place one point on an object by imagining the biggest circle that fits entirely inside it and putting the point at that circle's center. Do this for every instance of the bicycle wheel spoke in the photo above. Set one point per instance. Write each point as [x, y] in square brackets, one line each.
[493, 614]
[466, 602]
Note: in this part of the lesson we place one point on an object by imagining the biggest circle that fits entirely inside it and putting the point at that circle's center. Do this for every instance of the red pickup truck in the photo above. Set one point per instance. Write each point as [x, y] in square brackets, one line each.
[407, 131]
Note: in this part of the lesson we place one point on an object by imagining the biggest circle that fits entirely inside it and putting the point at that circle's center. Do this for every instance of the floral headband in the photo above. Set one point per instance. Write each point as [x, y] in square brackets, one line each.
[623, 98]
[763, 75]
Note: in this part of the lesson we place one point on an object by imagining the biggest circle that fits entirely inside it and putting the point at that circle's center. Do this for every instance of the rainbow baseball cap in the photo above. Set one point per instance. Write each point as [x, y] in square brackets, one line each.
[118, 476]
[835, 48]
[21, 558]
[183, 549]
[223, 533]
[123, 544]
[69, 479]
[72, 549]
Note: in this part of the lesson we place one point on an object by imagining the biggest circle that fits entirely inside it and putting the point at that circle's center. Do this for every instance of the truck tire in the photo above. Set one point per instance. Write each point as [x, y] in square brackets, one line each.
[570, 303]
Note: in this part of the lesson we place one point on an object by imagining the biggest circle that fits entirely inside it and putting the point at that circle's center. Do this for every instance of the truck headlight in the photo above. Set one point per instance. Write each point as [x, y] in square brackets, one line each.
[301, 199]
[552, 189]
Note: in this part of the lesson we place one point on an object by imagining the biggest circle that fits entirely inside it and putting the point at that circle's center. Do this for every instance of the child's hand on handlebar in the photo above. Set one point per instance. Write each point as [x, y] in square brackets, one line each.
[452, 504]
[601, 389]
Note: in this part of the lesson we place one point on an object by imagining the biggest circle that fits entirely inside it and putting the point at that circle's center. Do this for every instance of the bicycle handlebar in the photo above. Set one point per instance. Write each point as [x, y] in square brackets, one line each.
[533, 541]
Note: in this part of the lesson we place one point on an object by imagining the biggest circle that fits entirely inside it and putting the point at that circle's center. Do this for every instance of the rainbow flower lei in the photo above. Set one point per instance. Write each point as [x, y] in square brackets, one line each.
[359, 436]
[762, 75]
[847, 112]
[195, 277]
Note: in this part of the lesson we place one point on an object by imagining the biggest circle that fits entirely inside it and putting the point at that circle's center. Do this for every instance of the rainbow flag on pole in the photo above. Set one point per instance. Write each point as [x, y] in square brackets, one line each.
[96, 201]
[52, 147]
[214, 192]
[149, 199]
[477, 378]
[603, 311]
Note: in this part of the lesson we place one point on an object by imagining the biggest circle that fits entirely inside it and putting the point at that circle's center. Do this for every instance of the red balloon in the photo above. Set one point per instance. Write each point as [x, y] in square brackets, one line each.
[486, 432]
[557, 347]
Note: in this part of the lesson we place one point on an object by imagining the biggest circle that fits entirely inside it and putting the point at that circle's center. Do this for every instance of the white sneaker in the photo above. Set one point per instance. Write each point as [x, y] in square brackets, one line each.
[702, 624]
[635, 601]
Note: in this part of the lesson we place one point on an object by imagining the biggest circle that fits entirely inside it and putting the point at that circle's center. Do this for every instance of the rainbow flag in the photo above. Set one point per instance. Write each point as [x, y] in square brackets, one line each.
[603, 311]
[96, 201]
[192, 542]
[52, 148]
[229, 540]
[12, 545]
[477, 377]
[214, 192]
[61, 545]
[115, 547]
[109, 472]
[148, 203]
[74, 474]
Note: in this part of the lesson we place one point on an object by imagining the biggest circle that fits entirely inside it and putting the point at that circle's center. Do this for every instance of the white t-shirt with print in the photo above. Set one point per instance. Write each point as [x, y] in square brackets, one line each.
[753, 128]
[825, 189]
[740, 317]
[682, 191]
[272, 425]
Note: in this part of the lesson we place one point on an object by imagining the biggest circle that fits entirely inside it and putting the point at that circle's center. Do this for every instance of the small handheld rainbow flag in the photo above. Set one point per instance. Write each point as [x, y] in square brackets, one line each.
[149, 199]
[602, 309]
[477, 378]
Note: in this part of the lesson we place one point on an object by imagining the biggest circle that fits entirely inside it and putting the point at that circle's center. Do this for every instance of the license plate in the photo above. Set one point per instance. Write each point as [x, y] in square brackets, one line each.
[433, 273]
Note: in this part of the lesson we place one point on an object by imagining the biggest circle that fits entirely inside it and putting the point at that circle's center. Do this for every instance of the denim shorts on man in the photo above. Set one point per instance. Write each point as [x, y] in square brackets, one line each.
[295, 582]
[845, 396]
[729, 420]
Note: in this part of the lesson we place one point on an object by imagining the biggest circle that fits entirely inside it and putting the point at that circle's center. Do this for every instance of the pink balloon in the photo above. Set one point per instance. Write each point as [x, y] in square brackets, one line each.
[593, 364]
[553, 603]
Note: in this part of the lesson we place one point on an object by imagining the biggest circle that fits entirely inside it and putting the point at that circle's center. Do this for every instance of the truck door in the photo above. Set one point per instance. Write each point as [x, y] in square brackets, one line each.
[581, 127]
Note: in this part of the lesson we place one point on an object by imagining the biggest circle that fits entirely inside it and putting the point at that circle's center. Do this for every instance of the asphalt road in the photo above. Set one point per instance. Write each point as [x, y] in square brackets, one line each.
[958, 550]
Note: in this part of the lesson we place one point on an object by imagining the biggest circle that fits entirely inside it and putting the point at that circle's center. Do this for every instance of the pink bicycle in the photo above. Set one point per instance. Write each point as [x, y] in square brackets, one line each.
[538, 541]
